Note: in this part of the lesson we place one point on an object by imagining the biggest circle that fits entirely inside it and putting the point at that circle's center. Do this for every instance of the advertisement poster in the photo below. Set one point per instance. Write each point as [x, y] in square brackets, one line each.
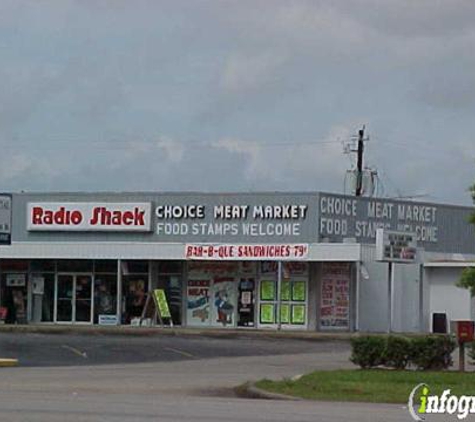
[269, 267]
[267, 313]
[16, 280]
[267, 290]
[298, 314]
[294, 268]
[224, 301]
[285, 313]
[38, 285]
[299, 291]
[335, 296]
[212, 268]
[285, 290]
[198, 310]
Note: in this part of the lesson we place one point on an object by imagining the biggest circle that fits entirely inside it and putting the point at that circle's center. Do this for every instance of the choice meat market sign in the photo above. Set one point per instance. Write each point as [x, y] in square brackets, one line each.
[86, 216]
[436, 227]
[232, 221]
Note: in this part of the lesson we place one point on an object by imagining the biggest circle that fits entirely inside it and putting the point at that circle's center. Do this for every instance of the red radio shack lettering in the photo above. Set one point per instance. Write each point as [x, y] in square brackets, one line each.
[101, 216]
[61, 217]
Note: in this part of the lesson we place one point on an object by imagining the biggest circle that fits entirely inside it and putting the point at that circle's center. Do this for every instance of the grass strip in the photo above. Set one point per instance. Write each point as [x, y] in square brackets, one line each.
[372, 386]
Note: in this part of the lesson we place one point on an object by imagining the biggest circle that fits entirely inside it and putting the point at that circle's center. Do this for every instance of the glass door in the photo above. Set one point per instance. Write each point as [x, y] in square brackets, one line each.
[83, 298]
[64, 301]
[74, 298]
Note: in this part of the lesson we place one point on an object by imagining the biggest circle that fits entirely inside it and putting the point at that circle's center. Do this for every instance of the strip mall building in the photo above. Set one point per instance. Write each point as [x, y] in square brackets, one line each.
[91, 258]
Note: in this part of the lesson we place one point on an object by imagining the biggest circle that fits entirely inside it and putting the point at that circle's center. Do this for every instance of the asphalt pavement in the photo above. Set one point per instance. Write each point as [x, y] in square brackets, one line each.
[33, 349]
[172, 378]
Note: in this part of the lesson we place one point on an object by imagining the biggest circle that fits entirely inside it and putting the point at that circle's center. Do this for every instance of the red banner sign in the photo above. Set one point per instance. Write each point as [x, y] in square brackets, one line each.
[241, 252]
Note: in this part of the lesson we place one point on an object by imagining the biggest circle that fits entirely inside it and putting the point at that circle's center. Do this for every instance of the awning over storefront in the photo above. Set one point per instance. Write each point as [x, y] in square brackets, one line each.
[317, 252]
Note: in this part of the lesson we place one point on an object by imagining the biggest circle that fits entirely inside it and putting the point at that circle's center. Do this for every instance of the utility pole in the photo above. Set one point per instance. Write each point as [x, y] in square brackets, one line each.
[359, 164]
[359, 185]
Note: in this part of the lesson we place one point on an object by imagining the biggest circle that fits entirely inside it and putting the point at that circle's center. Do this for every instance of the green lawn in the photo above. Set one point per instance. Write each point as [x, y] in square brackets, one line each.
[376, 386]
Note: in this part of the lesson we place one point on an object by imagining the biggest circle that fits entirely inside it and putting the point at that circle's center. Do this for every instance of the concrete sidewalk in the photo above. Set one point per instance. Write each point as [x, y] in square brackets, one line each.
[177, 331]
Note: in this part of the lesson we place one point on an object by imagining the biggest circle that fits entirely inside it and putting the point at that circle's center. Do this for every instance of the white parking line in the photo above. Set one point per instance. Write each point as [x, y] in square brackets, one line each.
[180, 352]
[75, 351]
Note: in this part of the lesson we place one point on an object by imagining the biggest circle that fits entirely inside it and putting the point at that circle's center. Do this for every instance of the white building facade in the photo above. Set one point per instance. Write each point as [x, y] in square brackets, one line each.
[296, 261]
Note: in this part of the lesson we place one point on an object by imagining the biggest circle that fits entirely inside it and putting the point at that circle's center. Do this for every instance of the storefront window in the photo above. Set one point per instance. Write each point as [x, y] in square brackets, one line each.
[170, 267]
[75, 266]
[13, 265]
[293, 294]
[107, 266]
[170, 278]
[134, 267]
[13, 293]
[335, 296]
[43, 265]
[134, 289]
[212, 290]
[42, 297]
[105, 296]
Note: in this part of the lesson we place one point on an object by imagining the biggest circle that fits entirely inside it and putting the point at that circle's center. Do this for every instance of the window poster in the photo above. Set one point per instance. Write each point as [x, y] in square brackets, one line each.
[299, 291]
[269, 267]
[198, 302]
[224, 301]
[285, 313]
[335, 296]
[285, 290]
[298, 314]
[294, 268]
[267, 290]
[212, 268]
[267, 313]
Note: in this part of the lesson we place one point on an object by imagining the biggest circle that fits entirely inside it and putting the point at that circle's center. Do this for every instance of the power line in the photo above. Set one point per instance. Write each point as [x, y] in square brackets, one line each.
[127, 144]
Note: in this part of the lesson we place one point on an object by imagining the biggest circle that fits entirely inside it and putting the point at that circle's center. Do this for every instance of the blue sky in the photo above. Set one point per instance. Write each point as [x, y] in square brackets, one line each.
[244, 95]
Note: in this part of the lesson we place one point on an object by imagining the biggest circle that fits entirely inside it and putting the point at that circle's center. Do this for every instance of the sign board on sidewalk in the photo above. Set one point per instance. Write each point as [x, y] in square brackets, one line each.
[161, 303]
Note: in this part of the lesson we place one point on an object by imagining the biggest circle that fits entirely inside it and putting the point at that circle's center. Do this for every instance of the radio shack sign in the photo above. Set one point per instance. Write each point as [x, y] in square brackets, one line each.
[87, 216]
[393, 246]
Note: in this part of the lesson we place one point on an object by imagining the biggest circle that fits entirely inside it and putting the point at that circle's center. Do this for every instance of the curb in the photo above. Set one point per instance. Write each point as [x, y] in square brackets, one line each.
[250, 391]
[8, 363]
[175, 331]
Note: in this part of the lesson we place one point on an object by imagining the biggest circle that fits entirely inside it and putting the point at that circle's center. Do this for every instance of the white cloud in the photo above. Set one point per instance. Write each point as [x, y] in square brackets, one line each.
[250, 151]
[173, 149]
[17, 168]
[243, 73]
[235, 76]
